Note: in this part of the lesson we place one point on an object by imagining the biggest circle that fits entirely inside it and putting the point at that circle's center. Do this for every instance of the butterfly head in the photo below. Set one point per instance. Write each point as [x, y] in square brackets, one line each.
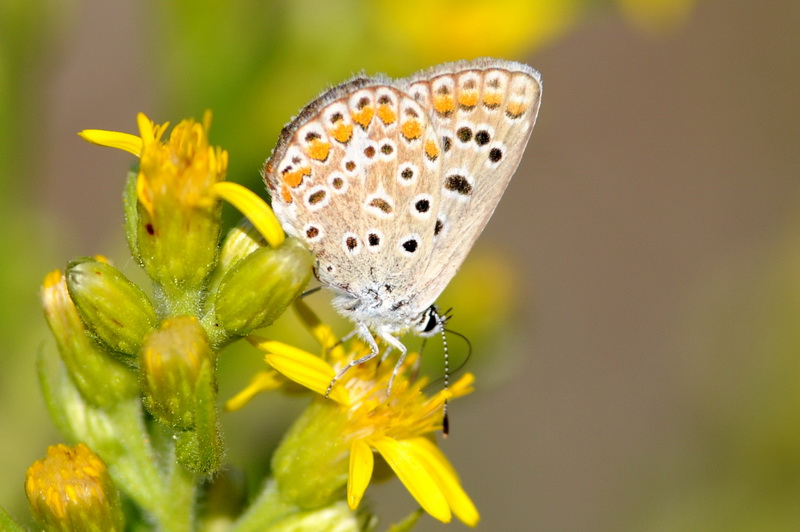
[430, 322]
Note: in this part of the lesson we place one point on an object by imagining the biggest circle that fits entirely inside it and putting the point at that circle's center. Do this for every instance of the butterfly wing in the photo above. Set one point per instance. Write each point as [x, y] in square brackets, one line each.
[484, 112]
[351, 177]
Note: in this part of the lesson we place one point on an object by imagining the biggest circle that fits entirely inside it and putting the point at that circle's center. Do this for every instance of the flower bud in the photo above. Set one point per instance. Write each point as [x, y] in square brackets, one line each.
[260, 287]
[178, 216]
[240, 242]
[171, 361]
[311, 463]
[112, 308]
[101, 379]
[71, 490]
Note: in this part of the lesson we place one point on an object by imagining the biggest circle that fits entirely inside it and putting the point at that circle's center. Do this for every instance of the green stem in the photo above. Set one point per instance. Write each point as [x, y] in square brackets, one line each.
[169, 501]
[7, 523]
[266, 509]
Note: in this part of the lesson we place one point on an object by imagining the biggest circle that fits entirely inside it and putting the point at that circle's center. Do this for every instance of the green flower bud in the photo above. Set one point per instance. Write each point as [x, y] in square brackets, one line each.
[334, 518]
[71, 490]
[241, 241]
[131, 211]
[311, 463]
[101, 379]
[260, 287]
[171, 362]
[178, 245]
[113, 309]
[201, 449]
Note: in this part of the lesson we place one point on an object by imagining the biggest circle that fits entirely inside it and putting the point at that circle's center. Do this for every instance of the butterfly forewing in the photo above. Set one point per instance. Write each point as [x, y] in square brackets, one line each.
[363, 165]
[484, 112]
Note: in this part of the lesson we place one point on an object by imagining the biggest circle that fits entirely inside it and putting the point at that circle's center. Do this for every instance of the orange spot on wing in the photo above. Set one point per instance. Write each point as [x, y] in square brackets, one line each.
[431, 150]
[342, 132]
[285, 194]
[293, 179]
[386, 114]
[492, 99]
[364, 116]
[318, 149]
[516, 109]
[468, 99]
[411, 129]
[443, 104]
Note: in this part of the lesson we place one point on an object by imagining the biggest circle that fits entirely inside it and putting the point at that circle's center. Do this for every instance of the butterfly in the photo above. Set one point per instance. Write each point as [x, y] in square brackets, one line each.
[390, 181]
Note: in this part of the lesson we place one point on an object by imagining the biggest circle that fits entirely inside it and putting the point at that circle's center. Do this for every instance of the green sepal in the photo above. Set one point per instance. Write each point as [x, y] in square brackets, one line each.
[113, 309]
[131, 212]
[260, 287]
[7, 523]
[201, 450]
[334, 518]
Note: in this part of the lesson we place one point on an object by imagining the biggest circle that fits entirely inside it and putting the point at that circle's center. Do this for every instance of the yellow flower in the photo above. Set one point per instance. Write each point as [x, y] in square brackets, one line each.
[368, 418]
[187, 166]
[446, 30]
[173, 207]
[71, 489]
[184, 167]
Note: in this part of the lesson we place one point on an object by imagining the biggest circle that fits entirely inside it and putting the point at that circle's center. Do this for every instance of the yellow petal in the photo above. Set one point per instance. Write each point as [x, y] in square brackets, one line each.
[440, 468]
[301, 366]
[402, 458]
[463, 386]
[113, 139]
[361, 464]
[148, 130]
[254, 208]
[263, 381]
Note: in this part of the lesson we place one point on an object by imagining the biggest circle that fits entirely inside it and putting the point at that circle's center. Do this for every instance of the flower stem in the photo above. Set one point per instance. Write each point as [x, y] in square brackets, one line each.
[266, 509]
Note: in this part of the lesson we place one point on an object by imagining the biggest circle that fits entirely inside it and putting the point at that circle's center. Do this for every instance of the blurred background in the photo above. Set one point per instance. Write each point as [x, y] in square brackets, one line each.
[637, 338]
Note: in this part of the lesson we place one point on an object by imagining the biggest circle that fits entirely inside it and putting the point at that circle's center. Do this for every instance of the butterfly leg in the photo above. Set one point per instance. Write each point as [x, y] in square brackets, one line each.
[363, 331]
[343, 339]
[397, 344]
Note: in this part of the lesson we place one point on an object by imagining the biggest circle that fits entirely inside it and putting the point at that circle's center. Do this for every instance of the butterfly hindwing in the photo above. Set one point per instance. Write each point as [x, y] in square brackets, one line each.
[484, 111]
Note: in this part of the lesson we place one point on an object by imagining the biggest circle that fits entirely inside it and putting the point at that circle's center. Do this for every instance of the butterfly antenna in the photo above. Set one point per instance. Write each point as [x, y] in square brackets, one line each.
[469, 349]
[445, 418]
